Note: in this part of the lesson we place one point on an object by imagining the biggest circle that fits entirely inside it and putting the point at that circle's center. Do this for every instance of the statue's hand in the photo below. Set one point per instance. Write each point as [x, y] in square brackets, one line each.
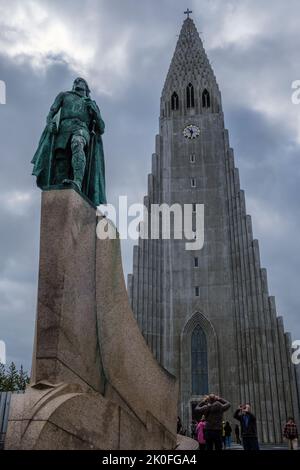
[52, 127]
[92, 107]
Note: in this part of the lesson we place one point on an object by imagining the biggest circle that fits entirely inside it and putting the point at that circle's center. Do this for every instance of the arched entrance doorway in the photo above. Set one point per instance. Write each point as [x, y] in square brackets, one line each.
[199, 369]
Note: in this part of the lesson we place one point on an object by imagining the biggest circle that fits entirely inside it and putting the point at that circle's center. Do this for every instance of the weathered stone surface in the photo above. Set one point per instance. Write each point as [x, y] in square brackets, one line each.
[186, 443]
[127, 361]
[95, 383]
[66, 348]
[63, 419]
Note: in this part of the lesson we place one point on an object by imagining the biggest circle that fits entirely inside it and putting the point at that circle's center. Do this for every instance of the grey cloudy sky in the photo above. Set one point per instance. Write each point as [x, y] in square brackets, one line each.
[124, 48]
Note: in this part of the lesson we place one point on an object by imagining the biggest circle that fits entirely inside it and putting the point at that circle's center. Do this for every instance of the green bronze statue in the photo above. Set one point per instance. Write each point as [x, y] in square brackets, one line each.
[70, 150]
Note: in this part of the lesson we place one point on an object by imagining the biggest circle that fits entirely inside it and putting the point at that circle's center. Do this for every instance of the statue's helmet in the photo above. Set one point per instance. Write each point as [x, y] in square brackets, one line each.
[82, 84]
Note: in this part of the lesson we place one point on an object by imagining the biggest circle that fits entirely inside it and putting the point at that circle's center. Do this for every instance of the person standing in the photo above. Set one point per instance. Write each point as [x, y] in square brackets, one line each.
[248, 427]
[290, 432]
[200, 432]
[213, 407]
[179, 425]
[193, 429]
[223, 435]
[237, 434]
[228, 432]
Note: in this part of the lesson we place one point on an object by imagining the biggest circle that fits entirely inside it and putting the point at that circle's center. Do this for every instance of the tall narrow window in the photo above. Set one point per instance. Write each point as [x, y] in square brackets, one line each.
[199, 362]
[192, 158]
[196, 262]
[205, 99]
[197, 292]
[193, 182]
[194, 207]
[190, 102]
[174, 101]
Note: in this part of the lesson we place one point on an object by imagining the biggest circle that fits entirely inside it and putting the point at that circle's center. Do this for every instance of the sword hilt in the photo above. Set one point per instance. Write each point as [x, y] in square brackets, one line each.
[93, 131]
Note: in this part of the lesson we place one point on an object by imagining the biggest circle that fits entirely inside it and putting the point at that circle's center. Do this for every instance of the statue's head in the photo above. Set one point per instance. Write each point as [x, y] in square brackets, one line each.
[80, 86]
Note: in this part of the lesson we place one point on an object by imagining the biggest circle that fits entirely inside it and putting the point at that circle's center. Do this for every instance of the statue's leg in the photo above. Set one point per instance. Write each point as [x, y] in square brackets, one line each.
[78, 144]
[61, 167]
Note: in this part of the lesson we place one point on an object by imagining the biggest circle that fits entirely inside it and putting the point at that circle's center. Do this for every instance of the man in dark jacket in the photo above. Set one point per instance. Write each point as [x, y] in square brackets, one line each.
[248, 427]
[213, 407]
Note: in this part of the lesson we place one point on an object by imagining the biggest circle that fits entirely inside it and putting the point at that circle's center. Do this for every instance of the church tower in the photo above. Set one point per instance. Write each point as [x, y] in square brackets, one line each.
[207, 315]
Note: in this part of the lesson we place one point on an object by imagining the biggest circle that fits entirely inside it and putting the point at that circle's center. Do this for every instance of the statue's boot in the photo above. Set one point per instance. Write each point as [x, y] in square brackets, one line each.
[77, 183]
[78, 177]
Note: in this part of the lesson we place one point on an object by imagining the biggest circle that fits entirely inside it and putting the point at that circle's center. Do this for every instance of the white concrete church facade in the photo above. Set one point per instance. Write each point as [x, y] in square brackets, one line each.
[207, 315]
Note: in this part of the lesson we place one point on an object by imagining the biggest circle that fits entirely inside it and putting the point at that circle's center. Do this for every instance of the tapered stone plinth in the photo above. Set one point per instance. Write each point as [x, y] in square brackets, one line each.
[66, 343]
[95, 383]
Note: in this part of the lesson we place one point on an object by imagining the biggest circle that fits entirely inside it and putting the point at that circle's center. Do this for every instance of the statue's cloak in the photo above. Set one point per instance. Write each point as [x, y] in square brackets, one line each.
[43, 156]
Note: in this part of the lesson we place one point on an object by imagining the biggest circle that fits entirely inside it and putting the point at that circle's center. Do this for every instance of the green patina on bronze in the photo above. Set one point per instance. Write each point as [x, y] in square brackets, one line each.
[70, 150]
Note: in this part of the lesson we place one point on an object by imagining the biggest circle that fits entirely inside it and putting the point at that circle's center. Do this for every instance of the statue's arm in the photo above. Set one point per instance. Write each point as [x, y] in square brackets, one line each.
[55, 107]
[97, 116]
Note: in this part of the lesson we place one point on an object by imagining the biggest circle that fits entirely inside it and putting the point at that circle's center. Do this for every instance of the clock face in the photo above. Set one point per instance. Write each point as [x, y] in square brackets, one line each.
[191, 131]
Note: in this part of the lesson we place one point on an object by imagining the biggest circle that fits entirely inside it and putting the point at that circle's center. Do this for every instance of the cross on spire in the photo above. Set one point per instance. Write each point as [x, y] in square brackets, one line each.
[188, 12]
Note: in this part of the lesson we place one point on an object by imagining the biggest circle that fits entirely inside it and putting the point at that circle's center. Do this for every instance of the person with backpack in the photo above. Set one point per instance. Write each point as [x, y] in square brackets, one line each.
[213, 407]
[290, 432]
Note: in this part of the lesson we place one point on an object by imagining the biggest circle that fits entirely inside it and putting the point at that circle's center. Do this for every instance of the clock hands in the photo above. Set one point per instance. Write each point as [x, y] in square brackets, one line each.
[191, 131]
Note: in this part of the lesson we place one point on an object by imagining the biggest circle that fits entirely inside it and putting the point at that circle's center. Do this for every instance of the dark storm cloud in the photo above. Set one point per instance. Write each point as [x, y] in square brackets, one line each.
[124, 49]
[269, 166]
